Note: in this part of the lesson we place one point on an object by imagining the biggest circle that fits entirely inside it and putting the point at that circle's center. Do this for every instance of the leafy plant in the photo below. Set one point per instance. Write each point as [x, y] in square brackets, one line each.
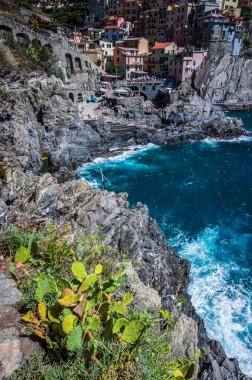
[75, 305]
[82, 312]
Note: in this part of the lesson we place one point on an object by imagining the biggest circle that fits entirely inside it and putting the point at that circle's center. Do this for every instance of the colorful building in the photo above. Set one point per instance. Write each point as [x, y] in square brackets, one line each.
[107, 54]
[156, 63]
[229, 4]
[129, 54]
[128, 9]
[177, 26]
[183, 64]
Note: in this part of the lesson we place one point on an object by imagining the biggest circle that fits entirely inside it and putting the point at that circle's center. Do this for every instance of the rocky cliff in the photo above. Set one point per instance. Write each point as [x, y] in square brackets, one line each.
[42, 126]
[224, 77]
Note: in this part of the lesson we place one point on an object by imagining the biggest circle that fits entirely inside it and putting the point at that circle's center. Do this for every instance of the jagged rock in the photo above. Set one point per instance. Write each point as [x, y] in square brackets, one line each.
[185, 340]
[218, 366]
[9, 294]
[224, 77]
[45, 125]
[15, 347]
[144, 296]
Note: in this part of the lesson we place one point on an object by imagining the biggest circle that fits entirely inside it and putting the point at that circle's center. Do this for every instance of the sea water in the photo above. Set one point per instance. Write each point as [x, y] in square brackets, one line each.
[201, 195]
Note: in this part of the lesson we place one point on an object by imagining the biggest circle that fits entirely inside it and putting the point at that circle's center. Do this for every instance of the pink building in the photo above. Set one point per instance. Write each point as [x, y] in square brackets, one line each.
[183, 64]
[114, 21]
[129, 55]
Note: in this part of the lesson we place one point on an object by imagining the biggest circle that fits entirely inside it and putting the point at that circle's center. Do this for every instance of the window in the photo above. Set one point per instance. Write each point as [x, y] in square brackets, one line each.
[118, 60]
[153, 88]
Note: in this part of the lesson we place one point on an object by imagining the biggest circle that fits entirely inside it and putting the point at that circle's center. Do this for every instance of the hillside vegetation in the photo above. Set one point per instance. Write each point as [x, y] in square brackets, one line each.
[75, 302]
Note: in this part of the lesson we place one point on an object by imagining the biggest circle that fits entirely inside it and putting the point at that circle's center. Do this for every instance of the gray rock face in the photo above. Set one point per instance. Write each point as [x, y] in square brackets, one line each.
[224, 77]
[144, 297]
[185, 341]
[218, 366]
[45, 124]
[15, 348]
[185, 338]
[8, 291]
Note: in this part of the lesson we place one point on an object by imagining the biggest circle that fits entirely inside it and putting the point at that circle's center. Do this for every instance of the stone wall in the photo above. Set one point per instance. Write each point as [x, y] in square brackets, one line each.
[72, 61]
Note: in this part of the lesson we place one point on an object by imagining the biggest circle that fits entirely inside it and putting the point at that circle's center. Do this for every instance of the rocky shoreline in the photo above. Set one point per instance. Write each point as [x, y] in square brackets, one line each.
[42, 131]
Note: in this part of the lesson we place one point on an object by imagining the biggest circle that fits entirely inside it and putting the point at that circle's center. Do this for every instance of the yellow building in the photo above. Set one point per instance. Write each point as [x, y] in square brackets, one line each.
[229, 4]
[157, 62]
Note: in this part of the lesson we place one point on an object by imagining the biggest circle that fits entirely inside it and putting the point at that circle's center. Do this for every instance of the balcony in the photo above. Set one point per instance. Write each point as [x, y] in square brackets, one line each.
[134, 64]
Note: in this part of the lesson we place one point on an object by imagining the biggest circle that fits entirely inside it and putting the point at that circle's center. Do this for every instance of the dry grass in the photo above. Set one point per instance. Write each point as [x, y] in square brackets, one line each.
[7, 59]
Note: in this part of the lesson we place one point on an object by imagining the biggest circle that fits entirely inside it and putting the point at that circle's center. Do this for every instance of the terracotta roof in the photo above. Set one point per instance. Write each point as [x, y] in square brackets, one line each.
[162, 45]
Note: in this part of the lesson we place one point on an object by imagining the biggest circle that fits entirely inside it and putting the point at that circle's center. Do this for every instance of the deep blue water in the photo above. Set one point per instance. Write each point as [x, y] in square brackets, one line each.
[201, 195]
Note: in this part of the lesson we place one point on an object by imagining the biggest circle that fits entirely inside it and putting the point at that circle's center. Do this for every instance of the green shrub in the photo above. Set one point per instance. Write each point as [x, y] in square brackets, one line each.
[72, 293]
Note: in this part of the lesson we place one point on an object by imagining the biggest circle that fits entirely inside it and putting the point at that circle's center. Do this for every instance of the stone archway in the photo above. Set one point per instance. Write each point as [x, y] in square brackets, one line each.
[6, 33]
[23, 39]
[78, 65]
[5, 30]
[49, 48]
[144, 95]
[71, 96]
[69, 63]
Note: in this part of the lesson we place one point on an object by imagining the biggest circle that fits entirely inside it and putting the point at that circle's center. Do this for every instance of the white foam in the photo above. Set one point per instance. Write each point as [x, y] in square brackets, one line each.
[130, 150]
[225, 307]
[93, 183]
[210, 142]
[214, 141]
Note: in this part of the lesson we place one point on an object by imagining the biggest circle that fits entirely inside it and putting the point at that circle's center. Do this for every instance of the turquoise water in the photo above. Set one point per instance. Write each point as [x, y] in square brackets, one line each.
[201, 195]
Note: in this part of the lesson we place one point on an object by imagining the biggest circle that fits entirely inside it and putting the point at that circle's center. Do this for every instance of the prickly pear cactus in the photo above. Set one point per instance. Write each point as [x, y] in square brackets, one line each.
[22, 255]
[133, 331]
